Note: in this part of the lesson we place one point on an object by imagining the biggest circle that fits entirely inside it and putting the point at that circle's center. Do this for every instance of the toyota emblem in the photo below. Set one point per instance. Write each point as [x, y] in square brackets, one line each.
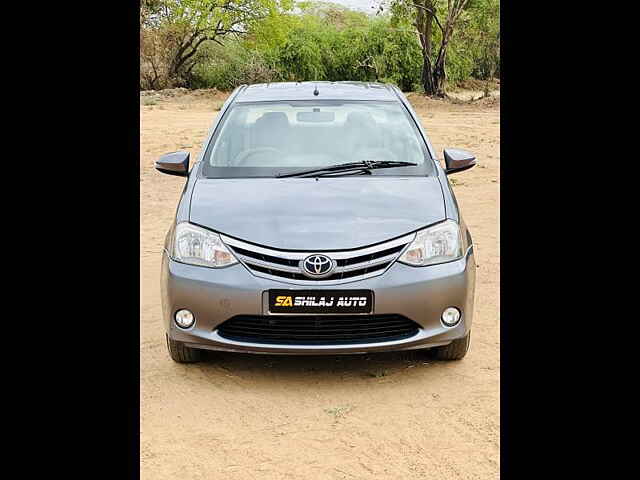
[317, 266]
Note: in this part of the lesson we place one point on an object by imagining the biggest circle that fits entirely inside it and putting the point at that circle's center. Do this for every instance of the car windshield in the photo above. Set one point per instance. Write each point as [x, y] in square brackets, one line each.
[271, 138]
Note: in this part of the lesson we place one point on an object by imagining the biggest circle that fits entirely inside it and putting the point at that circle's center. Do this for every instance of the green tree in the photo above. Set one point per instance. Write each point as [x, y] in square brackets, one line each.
[435, 22]
[173, 32]
[323, 41]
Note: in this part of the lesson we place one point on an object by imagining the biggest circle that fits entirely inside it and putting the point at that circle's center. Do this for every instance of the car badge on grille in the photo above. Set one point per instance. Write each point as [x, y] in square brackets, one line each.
[317, 266]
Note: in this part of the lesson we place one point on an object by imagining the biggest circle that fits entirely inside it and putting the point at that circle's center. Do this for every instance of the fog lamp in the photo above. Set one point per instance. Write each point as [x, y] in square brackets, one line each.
[184, 318]
[451, 316]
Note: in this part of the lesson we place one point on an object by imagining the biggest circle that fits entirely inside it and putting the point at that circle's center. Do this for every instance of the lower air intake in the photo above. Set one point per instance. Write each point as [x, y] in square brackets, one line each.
[317, 329]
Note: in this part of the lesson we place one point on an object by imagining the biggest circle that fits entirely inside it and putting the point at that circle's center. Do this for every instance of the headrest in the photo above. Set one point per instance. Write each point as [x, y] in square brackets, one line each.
[273, 119]
[361, 119]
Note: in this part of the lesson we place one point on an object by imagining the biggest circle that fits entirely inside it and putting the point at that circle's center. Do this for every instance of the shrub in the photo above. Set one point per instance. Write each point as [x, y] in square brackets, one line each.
[328, 42]
[227, 67]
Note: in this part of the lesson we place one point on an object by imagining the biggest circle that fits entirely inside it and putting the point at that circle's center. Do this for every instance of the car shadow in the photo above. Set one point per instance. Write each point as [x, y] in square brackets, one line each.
[269, 370]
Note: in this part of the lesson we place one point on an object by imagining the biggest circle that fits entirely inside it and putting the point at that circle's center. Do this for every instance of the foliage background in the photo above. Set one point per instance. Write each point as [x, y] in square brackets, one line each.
[324, 41]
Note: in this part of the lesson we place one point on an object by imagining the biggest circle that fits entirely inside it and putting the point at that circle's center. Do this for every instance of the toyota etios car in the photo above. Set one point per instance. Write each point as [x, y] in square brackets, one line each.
[317, 220]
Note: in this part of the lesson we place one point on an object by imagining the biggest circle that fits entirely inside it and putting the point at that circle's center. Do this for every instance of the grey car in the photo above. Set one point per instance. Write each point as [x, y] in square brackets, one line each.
[317, 220]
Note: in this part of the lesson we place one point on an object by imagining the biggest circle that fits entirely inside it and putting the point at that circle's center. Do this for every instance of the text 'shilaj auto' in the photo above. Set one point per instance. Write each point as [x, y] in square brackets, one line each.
[317, 220]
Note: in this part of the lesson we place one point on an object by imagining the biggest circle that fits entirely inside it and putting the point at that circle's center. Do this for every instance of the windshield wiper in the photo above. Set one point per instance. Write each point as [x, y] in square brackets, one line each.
[365, 165]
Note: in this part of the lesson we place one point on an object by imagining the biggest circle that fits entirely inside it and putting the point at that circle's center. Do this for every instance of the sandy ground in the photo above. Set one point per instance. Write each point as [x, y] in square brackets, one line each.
[276, 417]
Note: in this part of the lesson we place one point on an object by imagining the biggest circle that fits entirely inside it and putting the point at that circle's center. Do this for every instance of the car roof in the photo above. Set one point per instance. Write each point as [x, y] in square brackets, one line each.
[265, 92]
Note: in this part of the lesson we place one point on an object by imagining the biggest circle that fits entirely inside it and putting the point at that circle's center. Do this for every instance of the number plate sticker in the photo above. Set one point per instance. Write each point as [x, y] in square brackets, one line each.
[320, 301]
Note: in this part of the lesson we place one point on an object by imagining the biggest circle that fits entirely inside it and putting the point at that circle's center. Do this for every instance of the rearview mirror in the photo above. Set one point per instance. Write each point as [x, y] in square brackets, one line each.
[458, 160]
[315, 116]
[175, 163]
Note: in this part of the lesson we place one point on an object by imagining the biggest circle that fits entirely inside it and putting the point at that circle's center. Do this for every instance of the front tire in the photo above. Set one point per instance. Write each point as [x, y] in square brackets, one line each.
[456, 350]
[180, 353]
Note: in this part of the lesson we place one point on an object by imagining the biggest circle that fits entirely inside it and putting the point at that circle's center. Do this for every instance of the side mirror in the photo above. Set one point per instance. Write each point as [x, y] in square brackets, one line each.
[176, 163]
[458, 160]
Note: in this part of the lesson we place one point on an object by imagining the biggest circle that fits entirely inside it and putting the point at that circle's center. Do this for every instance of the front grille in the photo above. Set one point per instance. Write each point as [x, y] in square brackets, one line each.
[350, 265]
[317, 329]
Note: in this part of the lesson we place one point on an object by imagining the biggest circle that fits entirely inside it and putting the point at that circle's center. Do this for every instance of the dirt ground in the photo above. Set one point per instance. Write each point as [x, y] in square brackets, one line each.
[276, 417]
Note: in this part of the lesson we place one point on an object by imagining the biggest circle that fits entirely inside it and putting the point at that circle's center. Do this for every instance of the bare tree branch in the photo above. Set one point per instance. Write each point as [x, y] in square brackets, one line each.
[432, 12]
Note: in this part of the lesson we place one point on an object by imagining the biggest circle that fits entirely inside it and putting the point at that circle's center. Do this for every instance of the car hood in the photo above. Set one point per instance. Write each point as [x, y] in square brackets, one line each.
[323, 214]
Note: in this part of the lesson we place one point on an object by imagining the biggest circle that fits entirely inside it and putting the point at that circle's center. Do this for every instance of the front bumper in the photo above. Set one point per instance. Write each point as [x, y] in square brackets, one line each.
[418, 293]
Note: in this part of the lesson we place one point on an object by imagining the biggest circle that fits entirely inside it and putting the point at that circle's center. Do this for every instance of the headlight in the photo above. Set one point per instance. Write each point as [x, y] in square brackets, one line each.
[197, 246]
[437, 244]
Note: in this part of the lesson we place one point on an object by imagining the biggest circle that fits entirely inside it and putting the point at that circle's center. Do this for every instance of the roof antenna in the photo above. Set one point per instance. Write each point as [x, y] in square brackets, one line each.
[316, 92]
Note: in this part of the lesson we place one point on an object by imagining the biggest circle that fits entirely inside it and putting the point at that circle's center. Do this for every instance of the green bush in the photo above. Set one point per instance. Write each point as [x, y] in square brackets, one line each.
[328, 42]
[227, 67]
[475, 47]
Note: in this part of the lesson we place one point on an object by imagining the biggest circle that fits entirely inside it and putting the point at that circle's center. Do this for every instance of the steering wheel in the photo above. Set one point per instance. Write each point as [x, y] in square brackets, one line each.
[242, 158]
